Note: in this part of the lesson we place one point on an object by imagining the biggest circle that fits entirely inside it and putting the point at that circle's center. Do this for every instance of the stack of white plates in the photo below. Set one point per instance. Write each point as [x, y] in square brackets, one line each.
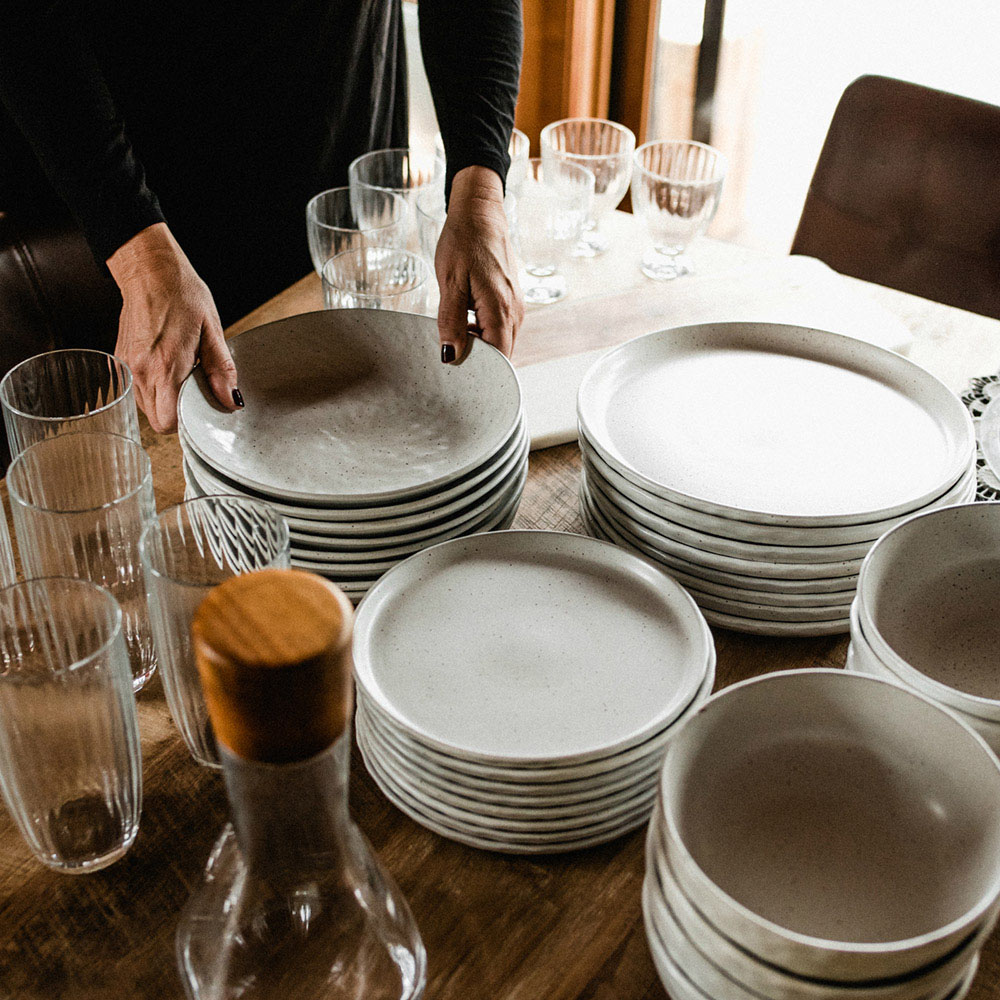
[355, 432]
[759, 462]
[822, 836]
[927, 614]
[516, 690]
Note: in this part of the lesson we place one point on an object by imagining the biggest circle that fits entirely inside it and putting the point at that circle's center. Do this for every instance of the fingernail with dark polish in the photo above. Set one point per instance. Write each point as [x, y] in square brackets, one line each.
[238, 398]
[447, 353]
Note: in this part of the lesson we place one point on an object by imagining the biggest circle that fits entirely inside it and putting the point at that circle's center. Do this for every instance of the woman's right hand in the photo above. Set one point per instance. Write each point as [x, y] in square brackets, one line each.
[168, 324]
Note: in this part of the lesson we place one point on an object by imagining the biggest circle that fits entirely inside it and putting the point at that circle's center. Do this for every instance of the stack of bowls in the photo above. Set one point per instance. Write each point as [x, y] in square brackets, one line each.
[822, 836]
[927, 614]
[759, 462]
[516, 690]
[356, 433]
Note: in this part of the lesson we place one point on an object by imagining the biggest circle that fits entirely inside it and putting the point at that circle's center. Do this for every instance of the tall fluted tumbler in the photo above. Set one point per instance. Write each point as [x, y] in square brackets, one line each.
[80, 502]
[68, 392]
[185, 552]
[70, 765]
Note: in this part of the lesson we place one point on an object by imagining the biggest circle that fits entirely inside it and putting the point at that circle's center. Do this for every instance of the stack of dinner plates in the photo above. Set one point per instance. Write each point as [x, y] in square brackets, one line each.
[516, 690]
[927, 614]
[356, 432]
[759, 462]
[822, 836]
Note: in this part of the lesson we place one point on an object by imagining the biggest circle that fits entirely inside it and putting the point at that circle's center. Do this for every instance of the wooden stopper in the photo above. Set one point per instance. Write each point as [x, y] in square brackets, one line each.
[273, 650]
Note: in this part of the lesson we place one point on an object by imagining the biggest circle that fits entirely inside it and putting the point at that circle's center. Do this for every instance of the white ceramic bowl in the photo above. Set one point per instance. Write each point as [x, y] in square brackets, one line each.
[833, 824]
[929, 605]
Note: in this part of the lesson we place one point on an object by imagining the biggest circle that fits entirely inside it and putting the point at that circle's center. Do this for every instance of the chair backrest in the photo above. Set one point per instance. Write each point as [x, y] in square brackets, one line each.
[906, 193]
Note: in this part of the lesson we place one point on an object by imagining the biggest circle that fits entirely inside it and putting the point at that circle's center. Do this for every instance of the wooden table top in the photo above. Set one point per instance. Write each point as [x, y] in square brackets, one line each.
[495, 926]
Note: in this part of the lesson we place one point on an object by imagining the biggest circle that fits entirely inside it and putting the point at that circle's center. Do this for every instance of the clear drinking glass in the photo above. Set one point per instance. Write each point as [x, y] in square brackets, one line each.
[185, 552]
[80, 502]
[8, 572]
[376, 278]
[65, 392]
[405, 172]
[341, 219]
[70, 764]
[431, 213]
[605, 149]
[519, 150]
[554, 204]
[676, 188]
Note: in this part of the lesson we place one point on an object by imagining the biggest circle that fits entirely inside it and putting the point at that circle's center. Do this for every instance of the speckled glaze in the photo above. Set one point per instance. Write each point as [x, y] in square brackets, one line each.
[349, 405]
[805, 427]
[498, 691]
[861, 838]
[929, 605]
[723, 969]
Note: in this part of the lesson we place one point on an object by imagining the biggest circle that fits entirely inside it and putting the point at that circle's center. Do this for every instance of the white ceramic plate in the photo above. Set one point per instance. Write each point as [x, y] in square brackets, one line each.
[777, 424]
[691, 575]
[497, 509]
[348, 406]
[730, 527]
[754, 626]
[480, 646]
[386, 518]
[764, 612]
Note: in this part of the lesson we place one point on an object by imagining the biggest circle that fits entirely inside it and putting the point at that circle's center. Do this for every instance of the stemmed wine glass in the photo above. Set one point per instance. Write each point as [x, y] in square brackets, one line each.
[605, 148]
[676, 188]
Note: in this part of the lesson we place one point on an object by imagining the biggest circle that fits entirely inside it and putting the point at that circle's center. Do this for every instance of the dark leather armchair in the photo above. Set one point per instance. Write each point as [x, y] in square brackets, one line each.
[53, 294]
[906, 193]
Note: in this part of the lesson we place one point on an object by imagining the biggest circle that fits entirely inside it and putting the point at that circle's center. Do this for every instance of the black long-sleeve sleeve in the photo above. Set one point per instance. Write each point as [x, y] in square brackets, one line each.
[53, 88]
[472, 55]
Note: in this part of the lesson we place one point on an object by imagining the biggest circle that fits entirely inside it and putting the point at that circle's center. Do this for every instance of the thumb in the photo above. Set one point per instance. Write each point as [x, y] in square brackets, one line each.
[217, 363]
[453, 322]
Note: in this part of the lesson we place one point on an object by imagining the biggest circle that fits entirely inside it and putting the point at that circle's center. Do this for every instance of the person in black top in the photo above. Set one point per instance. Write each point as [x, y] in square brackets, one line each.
[186, 139]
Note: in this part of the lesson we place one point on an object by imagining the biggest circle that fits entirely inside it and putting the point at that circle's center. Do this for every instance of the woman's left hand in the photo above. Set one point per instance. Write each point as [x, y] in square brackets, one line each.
[476, 268]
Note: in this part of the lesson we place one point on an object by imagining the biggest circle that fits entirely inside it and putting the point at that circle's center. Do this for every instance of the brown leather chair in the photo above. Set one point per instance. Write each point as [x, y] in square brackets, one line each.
[906, 193]
[52, 293]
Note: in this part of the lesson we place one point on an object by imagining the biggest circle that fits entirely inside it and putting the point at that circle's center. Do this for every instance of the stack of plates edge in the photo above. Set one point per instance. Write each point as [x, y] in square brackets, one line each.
[927, 613]
[357, 434]
[516, 690]
[759, 462]
[811, 841]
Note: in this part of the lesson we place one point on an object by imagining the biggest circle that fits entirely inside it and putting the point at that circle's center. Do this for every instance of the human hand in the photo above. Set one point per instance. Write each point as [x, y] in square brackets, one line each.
[168, 323]
[475, 267]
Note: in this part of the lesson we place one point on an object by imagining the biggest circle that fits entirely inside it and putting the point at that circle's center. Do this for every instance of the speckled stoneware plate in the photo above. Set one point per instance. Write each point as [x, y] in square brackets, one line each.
[507, 648]
[352, 406]
[775, 424]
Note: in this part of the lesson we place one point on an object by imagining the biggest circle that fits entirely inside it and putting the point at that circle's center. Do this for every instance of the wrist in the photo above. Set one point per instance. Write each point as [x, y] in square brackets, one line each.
[477, 183]
[153, 251]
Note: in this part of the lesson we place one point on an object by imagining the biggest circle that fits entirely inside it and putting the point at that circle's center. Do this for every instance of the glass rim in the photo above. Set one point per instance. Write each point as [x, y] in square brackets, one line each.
[419, 258]
[437, 173]
[398, 200]
[618, 127]
[721, 161]
[146, 477]
[6, 381]
[156, 524]
[540, 161]
[118, 622]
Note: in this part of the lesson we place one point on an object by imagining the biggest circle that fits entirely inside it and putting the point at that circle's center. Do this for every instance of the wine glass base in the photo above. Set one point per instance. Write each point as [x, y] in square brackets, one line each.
[661, 267]
[544, 291]
[590, 245]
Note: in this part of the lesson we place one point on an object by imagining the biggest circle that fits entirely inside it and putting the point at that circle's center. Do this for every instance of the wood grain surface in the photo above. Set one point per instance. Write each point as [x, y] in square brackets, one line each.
[496, 927]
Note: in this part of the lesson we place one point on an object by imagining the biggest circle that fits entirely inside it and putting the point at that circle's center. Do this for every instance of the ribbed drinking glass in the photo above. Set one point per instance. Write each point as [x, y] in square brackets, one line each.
[554, 204]
[341, 219]
[376, 278]
[71, 391]
[676, 188]
[605, 148]
[70, 765]
[185, 552]
[403, 171]
[80, 503]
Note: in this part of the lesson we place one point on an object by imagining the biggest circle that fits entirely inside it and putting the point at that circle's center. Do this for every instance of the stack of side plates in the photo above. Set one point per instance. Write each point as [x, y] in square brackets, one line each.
[759, 462]
[516, 690]
[822, 836]
[355, 432]
[927, 614]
